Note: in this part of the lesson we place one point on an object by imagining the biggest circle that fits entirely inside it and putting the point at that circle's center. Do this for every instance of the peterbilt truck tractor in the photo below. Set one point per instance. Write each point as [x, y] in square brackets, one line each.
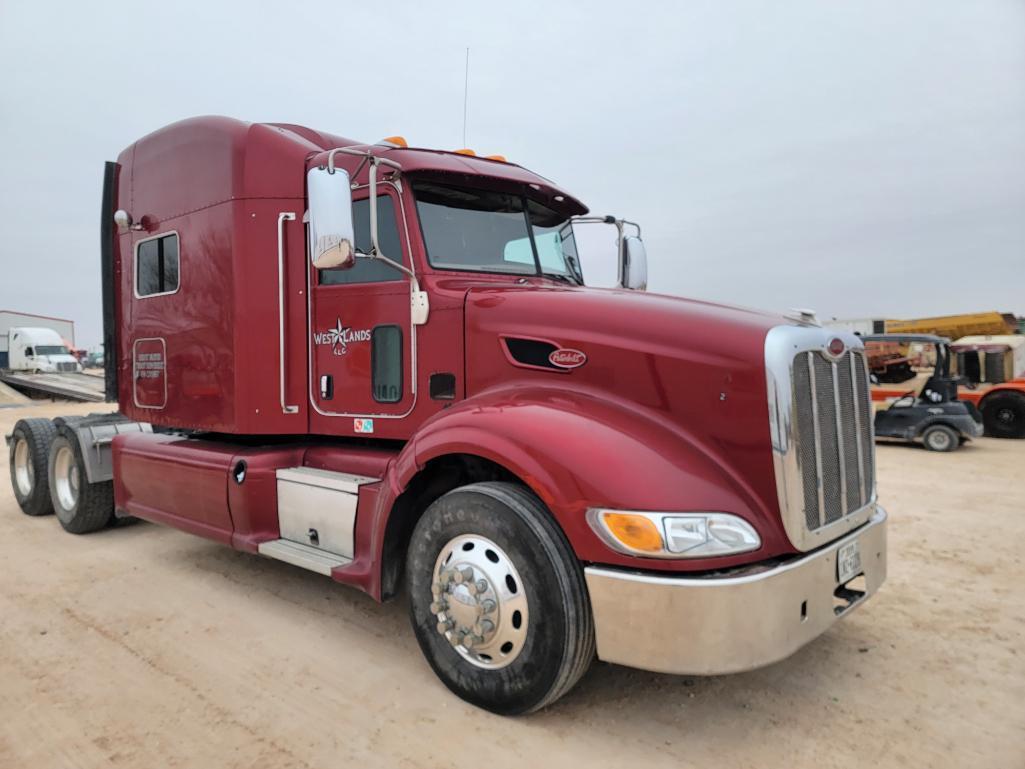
[384, 364]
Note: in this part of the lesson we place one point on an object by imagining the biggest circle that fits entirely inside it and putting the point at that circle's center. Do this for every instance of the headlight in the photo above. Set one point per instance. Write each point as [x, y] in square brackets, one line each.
[674, 535]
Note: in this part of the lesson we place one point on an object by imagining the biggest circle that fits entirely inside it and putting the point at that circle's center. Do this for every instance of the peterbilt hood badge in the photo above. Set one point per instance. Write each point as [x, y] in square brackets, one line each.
[567, 358]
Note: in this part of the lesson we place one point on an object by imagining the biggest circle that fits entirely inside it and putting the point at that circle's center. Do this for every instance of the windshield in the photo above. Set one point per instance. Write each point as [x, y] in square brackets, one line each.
[51, 349]
[486, 231]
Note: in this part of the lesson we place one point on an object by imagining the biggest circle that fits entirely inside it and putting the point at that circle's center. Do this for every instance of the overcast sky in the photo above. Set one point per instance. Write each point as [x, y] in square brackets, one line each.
[863, 158]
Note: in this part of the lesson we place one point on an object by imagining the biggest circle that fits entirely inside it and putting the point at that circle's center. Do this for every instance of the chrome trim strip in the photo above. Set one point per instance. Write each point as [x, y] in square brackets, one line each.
[818, 438]
[841, 455]
[284, 216]
[857, 429]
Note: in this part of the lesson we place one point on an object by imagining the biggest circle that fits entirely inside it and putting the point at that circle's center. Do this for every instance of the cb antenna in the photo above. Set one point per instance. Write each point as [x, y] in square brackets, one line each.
[466, 92]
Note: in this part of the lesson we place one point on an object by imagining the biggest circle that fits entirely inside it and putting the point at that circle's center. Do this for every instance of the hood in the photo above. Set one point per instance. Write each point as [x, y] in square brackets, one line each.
[694, 367]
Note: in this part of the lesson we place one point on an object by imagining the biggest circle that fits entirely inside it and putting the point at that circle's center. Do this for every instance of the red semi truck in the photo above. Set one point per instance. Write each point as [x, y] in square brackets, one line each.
[383, 364]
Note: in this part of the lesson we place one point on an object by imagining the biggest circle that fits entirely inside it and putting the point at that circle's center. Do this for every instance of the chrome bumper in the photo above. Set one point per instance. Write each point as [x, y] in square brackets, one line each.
[713, 625]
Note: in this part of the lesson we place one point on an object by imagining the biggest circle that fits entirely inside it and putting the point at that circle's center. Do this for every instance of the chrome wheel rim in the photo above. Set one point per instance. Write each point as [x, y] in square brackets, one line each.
[939, 440]
[66, 478]
[479, 601]
[24, 472]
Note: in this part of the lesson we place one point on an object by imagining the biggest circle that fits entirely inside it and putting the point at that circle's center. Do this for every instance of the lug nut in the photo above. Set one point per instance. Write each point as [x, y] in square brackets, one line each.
[446, 577]
[469, 641]
[436, 589]
[437, 607]
[483, 627]
[488, 605]
[445, 625]
[455, 639]
[482, 586]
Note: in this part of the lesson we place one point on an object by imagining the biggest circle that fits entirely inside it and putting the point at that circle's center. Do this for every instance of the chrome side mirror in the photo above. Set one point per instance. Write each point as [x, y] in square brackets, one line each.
[332, 236]
[635, 266]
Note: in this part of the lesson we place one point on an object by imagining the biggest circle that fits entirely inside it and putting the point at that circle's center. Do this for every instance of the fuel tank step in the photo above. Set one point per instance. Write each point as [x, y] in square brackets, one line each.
[304, 556]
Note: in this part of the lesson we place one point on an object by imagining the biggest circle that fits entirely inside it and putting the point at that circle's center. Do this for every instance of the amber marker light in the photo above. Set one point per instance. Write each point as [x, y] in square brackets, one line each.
[465, 151]
[635, 532]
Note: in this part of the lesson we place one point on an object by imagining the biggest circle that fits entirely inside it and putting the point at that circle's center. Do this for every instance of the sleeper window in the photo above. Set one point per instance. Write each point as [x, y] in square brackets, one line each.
[156, 266]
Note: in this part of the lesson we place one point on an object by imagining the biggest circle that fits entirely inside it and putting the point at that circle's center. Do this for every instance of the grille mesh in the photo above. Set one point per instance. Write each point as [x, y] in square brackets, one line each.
[832, 412]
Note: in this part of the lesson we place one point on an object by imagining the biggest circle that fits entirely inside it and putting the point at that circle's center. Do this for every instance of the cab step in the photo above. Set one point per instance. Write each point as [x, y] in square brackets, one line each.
[304, 556]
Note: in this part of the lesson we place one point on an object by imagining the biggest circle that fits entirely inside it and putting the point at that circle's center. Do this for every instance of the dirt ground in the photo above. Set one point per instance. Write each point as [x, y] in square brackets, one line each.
[144, 647]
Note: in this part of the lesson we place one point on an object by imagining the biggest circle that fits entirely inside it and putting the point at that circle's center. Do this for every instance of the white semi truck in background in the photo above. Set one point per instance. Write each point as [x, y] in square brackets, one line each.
[39, 350]
[37, 358]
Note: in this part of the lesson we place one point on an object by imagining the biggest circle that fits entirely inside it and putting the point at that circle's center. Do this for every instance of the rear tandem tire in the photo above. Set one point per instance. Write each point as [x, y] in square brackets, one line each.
[525, 577]
[81, 507]
[30, 449]
[1003, 414]
[940, 438]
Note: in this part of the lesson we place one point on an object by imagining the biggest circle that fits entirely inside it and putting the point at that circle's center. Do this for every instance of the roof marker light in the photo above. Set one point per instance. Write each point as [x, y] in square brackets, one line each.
[465, 151]
[394, 141]
[499, 158]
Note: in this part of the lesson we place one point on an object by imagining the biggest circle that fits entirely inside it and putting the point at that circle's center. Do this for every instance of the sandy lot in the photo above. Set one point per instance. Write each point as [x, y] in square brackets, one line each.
[145, 647]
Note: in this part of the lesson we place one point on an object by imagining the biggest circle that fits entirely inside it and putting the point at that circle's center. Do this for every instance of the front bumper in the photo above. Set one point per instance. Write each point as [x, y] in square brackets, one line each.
[727, 624]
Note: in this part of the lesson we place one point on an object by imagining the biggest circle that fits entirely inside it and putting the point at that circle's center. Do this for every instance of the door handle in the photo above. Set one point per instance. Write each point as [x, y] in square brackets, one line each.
[327, 387]
[284, 216]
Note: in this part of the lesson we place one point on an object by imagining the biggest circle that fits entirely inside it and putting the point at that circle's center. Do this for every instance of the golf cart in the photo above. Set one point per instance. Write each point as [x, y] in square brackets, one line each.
[933, 415]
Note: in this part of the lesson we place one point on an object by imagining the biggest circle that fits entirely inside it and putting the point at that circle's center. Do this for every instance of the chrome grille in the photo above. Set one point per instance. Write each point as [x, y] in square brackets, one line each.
[820, 423]
[833, 435]
[66, 367]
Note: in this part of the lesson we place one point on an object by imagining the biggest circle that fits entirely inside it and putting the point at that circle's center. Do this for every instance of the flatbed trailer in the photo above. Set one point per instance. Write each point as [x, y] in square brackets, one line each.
[69, 386]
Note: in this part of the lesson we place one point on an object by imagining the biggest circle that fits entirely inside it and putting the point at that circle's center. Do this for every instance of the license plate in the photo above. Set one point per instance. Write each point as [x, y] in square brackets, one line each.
[848, 562]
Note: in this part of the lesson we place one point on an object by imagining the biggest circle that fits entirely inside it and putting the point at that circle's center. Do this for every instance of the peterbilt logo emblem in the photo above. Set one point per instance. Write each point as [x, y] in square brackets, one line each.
[836, 347]
[565, 358]
[340, 337]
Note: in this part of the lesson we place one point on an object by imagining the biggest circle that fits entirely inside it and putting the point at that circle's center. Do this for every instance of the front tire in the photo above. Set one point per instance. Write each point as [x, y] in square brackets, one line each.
[30, 447]
[497, 599]
[1003, 414]
[81, 507]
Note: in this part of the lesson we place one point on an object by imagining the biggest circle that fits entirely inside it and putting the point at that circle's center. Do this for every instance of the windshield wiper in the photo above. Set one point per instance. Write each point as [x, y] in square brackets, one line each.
[562, 277]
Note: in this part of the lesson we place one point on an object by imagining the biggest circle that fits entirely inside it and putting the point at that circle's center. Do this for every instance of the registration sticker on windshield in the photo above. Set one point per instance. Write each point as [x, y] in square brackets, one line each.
[363, 425]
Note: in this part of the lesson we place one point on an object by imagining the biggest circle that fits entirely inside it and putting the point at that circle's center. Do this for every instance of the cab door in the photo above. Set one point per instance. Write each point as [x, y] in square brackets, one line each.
[361, 337]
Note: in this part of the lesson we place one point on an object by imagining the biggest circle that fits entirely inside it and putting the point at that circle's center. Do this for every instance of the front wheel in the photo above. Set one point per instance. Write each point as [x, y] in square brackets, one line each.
[497, 599]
